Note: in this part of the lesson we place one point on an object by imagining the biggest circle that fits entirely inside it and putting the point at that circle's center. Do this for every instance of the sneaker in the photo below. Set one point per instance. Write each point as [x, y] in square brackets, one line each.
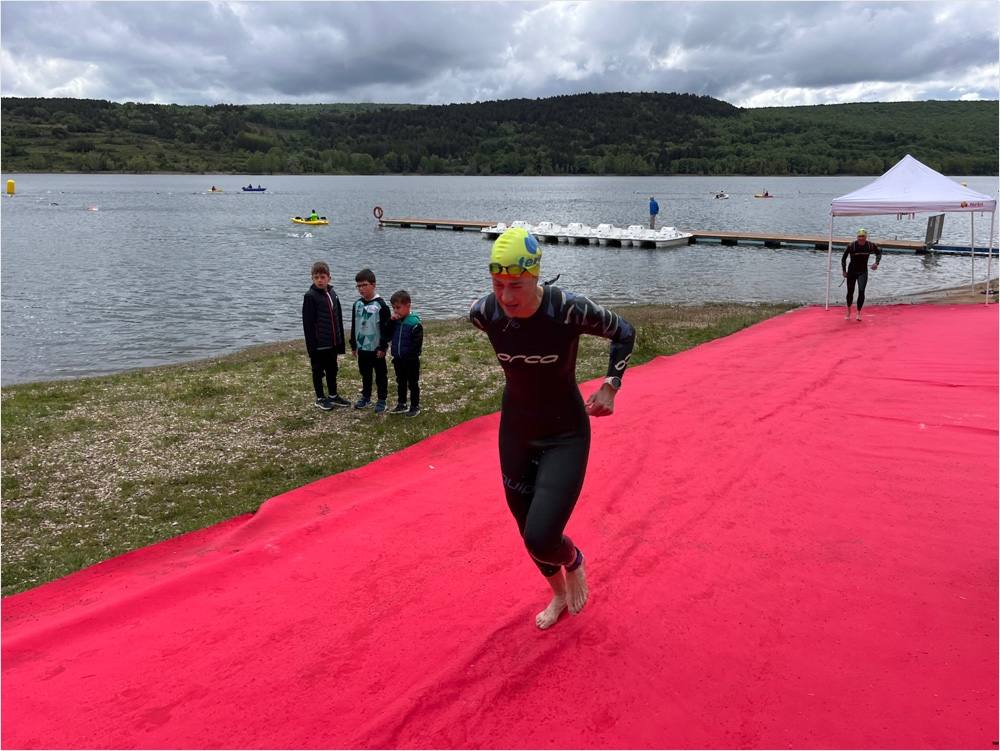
[362, 403]
[399, 409]
[324, 404]
[413, 411]
[379, 406]
[338, 401]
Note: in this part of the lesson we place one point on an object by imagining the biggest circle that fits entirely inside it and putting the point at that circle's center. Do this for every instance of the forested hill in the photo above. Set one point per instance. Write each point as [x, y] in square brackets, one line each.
[624, 134]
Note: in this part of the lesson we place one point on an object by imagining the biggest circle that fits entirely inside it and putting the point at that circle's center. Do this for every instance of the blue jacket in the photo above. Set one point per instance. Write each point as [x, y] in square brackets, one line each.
[654, 208]
[407, 337]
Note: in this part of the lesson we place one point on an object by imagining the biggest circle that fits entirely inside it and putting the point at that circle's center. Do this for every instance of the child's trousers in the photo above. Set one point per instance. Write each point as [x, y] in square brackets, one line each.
[369, 363]
[407, 378]
[324, 362]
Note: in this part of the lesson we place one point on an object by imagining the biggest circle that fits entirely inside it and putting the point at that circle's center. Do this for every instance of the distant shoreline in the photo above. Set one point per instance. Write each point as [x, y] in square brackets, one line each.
[960, 294]
[651, 133]
[431, 174]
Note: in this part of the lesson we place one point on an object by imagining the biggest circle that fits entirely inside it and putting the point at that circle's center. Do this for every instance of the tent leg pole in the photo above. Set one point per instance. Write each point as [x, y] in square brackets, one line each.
[972, 247]
[829, 266]
[989, 255]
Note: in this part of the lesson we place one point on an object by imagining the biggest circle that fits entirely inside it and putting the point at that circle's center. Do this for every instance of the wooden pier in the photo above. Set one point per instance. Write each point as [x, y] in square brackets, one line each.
[456, 224]
[768, 240]
[815, 242]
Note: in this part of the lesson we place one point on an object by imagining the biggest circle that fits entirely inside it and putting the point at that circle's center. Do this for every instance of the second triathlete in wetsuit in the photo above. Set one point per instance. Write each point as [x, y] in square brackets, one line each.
[544, 427]
[857, 273]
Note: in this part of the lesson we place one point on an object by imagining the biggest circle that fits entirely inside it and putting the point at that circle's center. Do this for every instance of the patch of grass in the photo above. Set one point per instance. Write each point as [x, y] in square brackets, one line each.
[204, 392]
[96, 467]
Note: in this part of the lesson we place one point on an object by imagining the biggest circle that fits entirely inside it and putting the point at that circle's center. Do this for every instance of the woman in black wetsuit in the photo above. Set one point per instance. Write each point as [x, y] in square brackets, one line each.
[857, 273]
[544, 427]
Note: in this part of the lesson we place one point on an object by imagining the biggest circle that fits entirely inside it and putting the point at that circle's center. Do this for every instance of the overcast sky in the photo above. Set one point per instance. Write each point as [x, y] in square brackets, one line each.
[750, 54]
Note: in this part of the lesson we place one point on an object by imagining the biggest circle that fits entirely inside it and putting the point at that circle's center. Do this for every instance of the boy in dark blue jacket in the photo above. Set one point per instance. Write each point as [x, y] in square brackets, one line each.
[407, 343]
[323, 326]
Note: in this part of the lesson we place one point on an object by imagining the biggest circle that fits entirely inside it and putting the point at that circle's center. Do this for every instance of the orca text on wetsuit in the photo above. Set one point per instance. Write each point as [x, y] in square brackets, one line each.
[857, 271]
[544, 428]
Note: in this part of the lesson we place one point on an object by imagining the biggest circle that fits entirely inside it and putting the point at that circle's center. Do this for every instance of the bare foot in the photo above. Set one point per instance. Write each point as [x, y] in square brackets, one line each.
[576, 589]
[859, 316]
[550, 615]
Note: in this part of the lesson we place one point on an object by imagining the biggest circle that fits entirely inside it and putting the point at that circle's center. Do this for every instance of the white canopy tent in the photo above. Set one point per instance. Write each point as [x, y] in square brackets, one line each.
[911, 187]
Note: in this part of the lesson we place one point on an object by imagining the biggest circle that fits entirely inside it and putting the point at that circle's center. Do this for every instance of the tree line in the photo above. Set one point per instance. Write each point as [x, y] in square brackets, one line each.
[580, 134]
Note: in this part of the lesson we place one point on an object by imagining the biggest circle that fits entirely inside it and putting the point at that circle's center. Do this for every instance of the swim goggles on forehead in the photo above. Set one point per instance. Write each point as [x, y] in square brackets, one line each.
[512, 270]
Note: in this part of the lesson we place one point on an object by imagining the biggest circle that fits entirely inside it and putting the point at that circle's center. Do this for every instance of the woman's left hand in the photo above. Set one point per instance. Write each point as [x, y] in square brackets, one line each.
[602, 402]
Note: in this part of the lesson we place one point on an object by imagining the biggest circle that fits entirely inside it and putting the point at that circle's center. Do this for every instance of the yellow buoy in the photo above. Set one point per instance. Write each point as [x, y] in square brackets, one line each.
[10, 187]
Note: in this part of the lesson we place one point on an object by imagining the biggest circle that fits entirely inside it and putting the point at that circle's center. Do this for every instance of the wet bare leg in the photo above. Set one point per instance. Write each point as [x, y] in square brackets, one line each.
[848, 316]
[553, 610]
[859, 314]
[576, 589]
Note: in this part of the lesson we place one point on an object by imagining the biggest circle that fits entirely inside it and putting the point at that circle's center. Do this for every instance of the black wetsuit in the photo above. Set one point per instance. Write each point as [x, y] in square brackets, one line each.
[544, 427]
[857, 272]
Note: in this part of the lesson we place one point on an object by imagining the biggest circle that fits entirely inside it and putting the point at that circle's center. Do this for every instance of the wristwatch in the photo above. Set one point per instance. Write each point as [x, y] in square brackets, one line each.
[614, 382]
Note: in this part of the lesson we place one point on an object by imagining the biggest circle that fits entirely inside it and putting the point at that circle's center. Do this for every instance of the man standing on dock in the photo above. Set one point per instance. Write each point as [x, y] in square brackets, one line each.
[654, 209]
[857, 272]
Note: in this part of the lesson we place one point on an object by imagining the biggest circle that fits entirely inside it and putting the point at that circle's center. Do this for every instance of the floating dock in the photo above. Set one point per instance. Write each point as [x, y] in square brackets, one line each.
[456, 224]
[767, 240]
[815, 242]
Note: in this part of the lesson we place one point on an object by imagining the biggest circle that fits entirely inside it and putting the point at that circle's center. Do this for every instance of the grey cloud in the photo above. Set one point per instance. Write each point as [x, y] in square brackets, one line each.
[437, 52]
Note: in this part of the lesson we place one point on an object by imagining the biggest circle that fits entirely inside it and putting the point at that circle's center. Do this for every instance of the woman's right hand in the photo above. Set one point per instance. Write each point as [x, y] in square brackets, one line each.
[602, 402]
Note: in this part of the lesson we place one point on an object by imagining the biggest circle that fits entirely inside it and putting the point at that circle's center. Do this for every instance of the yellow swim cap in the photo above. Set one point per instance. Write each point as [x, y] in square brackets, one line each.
[862, 231]
[515, 249]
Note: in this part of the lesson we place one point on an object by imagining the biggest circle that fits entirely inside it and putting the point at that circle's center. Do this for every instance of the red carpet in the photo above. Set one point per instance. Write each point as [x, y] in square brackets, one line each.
[791, 538]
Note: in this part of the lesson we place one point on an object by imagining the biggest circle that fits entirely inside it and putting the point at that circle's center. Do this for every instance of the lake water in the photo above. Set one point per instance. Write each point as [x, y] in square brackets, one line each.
[163, 271]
